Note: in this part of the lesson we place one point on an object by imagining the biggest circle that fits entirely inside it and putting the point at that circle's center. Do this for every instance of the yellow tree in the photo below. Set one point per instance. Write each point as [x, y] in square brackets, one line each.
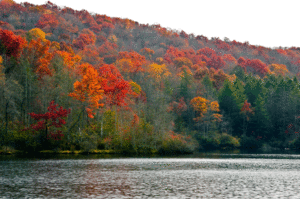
[158, 71]
[207, 113]
[36, 33]
[200, 105]
[278, 69]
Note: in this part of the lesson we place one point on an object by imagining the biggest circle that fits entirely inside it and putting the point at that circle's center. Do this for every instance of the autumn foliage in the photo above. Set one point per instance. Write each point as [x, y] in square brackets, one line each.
[89, 89]
[11, 44]
[50, 121]
[133, 86]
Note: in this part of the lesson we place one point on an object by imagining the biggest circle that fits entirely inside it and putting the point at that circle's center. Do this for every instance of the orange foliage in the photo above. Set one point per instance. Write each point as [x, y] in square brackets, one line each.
[40, 56]
[147, 52]
[70, 60]
[246, 109]
[200, 105]
[182, 61]
[184, 69]
[278, 69]
[89, 88]
[131, 62]
[90, 55]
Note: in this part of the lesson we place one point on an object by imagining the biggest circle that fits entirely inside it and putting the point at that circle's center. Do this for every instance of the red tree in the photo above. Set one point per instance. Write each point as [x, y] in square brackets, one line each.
[11, 44]
[114, 86]
[50, 121]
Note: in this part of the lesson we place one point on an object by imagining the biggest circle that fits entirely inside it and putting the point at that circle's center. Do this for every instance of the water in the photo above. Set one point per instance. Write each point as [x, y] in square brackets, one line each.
[198, 176]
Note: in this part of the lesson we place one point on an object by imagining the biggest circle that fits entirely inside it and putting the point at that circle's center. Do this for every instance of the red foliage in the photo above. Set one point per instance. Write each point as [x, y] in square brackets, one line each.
[211, 58]
[12, 43]
[47, 20]
[53, 118]
[85, 38]
[173, 53]
[246, 107]
[216, 62]
[178, 107]
[114, 86]
[136, 59]
[242, 61]
[107, 48]
[206, 51]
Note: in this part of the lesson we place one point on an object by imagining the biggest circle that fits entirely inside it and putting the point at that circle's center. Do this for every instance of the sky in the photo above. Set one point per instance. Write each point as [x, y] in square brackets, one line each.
[269, 23]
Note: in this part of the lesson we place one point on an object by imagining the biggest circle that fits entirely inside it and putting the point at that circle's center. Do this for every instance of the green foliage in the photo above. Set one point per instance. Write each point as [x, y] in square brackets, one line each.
[275, 100]
[177, 144]
[250, 143]
[295, 144]
[228, 141]
[239, 73]
[215, 140]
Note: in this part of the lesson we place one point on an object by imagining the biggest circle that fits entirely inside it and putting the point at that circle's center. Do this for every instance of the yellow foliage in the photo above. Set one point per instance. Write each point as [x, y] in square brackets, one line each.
[160, 60]
[158, 71]
[135, 87]
[231, 78]
[112, 39]
[278, 69]
[2, 76]
[214, 106]
[38, 33]
[48, 12]
[199, 104]
[55, 46]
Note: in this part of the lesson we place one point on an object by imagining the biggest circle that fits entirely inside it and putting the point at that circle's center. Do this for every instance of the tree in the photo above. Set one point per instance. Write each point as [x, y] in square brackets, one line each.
[88, 90]
[114, 86]
[50, 122]
[87, 37]
[11, 44]
[247, 112]
[47, 20]
[130, 62]
[231, 99]
[200, 105]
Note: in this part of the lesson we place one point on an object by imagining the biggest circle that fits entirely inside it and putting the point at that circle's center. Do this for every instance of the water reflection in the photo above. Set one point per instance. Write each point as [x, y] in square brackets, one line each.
[203, 175]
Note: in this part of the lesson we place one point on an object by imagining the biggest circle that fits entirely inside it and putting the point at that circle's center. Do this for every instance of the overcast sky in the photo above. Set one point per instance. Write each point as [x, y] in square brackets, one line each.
[268, 23]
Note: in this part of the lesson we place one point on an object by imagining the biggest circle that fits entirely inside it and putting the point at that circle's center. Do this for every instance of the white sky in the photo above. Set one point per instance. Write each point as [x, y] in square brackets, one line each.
[269, 23]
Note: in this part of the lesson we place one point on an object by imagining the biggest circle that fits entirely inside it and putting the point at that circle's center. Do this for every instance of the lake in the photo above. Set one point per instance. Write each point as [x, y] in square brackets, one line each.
[191, 176]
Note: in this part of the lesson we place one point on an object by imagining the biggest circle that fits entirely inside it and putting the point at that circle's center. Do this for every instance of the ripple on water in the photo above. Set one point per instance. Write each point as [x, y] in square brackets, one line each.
[151, 178]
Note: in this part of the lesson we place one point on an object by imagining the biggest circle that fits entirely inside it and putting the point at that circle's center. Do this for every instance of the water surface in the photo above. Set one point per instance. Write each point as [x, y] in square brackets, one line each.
[199, 176]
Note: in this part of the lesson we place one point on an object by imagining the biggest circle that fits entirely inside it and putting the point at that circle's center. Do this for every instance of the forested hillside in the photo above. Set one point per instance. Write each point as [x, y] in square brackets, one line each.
[75, 80]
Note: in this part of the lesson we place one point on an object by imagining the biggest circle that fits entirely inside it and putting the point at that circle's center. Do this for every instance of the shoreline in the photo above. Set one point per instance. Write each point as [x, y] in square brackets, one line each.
[13, 152]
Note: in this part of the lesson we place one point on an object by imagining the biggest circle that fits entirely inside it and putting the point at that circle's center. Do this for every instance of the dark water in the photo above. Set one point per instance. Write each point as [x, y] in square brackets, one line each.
[198, 176]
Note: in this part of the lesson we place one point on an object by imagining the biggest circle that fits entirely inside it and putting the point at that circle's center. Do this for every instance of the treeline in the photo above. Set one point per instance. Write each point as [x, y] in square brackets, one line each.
[71, 80]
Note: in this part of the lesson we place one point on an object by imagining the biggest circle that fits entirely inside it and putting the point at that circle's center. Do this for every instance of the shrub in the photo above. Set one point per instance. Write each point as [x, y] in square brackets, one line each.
[228, 141]
[250, 143]
[295, 144]
[177, 144]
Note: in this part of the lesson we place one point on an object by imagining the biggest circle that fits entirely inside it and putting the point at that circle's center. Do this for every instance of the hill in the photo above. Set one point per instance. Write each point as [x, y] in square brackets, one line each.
[134, 87]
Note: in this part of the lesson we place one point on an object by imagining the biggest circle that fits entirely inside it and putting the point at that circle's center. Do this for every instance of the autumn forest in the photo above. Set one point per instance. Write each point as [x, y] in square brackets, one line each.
[73, 80]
